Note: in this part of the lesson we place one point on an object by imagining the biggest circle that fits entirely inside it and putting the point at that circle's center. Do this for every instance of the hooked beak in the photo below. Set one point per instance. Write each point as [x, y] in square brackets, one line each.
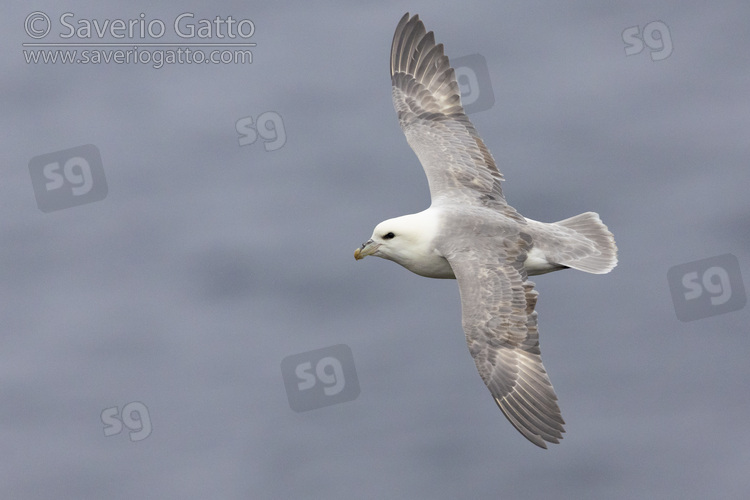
[368, 248]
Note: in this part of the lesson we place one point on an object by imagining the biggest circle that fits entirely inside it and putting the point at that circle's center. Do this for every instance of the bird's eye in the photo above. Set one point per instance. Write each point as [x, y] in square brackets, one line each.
[389, 236]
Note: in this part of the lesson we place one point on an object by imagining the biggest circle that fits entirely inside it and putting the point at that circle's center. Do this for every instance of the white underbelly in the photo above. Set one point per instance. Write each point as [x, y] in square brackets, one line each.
[434, 267]
[536, 263]
[437, 266]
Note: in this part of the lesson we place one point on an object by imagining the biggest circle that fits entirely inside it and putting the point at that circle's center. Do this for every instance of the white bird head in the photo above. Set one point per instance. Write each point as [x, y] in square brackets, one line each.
[408, 241]
[390, 239]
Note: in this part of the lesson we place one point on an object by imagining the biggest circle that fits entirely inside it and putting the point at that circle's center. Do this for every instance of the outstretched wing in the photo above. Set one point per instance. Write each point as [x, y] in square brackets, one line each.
[499, 320]
[426, 97]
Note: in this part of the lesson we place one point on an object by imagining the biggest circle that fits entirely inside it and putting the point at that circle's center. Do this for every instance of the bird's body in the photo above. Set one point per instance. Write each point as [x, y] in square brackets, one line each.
[470, 233]
[421, 256]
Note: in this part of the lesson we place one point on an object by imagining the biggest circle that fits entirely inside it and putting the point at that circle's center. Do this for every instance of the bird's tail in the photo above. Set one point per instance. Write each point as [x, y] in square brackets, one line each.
[590, 226]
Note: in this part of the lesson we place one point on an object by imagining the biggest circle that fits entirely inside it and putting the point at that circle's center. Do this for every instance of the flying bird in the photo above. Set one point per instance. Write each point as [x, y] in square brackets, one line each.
[470, 233]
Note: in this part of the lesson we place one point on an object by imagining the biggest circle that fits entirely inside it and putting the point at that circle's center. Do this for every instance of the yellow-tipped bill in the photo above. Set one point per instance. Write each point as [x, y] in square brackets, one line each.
[366, 249]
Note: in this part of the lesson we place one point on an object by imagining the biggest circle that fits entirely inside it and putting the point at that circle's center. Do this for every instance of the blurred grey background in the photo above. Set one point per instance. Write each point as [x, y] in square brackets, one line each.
[178, 294]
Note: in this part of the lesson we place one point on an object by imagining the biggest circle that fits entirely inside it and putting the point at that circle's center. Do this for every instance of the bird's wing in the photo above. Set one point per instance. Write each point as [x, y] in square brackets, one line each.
[500, 324]
[426, 97]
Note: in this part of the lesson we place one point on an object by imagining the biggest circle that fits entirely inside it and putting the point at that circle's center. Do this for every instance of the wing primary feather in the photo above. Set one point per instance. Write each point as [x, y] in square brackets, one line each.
[500, 323]
[428, 101]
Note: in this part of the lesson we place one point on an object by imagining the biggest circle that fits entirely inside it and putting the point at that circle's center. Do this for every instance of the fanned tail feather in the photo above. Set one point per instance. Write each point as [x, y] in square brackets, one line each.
[590, 226]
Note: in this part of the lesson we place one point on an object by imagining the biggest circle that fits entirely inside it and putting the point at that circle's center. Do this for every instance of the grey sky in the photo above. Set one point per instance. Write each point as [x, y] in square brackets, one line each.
[208, 263]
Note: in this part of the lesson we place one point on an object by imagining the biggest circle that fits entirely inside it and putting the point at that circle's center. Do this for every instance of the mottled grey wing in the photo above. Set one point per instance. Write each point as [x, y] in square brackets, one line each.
[500, 323]
[427, 99]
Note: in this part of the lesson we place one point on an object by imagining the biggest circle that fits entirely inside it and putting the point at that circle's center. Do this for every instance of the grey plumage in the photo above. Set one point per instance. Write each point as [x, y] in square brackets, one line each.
[490, 248]
[428, 103]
